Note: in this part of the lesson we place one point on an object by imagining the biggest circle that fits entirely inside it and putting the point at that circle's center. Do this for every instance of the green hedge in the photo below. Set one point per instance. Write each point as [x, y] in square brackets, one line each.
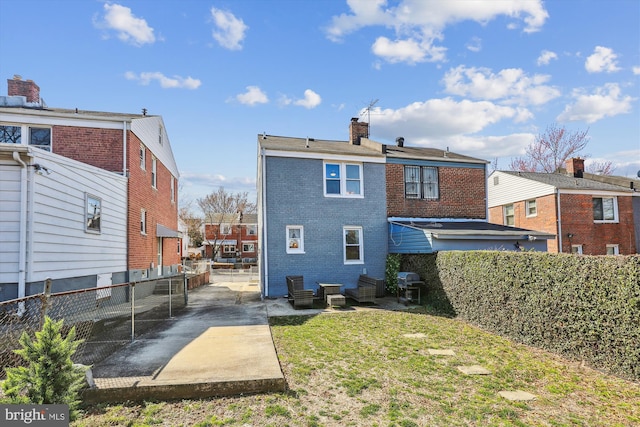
[583, 307]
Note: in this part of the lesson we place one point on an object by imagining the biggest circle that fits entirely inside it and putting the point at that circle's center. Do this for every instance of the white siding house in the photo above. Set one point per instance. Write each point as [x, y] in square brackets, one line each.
[59, 219]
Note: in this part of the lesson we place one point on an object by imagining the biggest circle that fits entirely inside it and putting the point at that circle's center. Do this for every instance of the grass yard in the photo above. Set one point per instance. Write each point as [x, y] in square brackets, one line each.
[374, 368]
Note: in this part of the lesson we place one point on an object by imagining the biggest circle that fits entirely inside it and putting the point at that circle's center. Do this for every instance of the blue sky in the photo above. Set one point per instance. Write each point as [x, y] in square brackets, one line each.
[480, 77]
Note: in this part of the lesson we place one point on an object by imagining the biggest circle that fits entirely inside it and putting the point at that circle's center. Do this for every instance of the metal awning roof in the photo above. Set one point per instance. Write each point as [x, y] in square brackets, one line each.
[162, 231]
[473, 229]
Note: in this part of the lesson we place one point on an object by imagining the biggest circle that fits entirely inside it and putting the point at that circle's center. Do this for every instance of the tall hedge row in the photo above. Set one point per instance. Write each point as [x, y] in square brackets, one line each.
[583, 307]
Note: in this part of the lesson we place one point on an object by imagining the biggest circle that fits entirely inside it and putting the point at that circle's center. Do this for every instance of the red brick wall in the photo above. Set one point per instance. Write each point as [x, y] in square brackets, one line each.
[241, 236]
[577, 218]
[544, 221]
[462, 194]
[157, 203]
[98, 147]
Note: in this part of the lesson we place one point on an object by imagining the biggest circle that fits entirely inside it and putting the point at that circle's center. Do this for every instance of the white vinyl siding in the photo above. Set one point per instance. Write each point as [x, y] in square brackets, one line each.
[57, 243]
[511, 188]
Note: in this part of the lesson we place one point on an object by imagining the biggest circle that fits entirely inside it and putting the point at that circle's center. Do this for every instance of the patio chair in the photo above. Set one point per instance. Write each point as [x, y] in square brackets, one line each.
[298, 295]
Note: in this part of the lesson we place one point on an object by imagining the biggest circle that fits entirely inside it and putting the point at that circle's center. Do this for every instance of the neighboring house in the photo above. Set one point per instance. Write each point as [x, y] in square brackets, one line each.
[321, 212]
[121, 149]
[589, 214]
[331, 210]
[232, 237]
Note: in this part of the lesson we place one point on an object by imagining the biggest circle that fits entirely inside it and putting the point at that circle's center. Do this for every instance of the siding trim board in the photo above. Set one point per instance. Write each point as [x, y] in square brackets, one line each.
[435, 163]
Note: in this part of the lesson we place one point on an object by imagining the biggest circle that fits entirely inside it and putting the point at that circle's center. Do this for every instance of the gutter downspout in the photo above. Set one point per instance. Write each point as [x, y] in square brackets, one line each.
[265, 255]
[126, 175]
[559, 221]
[22, 256]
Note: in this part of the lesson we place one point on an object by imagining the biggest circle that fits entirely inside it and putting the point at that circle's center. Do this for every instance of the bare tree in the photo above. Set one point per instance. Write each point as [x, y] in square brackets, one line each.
[221, 208]
[193, 224]
[551, 150]
[601, 168]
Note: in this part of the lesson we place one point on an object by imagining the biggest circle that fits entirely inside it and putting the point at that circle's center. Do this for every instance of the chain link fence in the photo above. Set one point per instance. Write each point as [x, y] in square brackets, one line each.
[106, 318]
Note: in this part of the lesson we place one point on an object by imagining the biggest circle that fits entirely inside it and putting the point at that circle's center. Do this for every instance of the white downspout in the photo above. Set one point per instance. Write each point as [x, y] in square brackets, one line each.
[265, 253]
[559, 221]
[22, 256]
[124, 148]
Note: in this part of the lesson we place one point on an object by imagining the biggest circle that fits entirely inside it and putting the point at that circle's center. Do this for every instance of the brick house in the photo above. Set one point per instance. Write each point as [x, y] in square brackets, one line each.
[129, 148]
[234, 237]
[332, 210]
[589, 214]
[436, 200]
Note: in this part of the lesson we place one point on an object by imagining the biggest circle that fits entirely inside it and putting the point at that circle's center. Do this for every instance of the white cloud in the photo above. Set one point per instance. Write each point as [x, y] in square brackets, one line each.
[605, 101]
[603, 59]
[254, 95]
[636, 70]
[510, 85]
[310, 100]
[165, 82]
[546, 56]
[129, 29]
[230, 31]
[200, 184]
[419, 25]
[475, 44]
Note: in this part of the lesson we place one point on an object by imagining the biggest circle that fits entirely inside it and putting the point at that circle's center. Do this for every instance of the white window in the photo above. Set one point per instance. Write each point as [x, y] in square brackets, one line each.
[421, 182]
[248, 247]
[251, 230]
[10, 134]
[143, 221]
[94, 213]
[173, 190]
[353, 248]
[154, 172]
[295, 239]
[343, 180]
[613, 250]
[229, 249]
[605, 209]
[143, 155]
[509, 215]
[226, 229]
[531, 207]
[576, 249]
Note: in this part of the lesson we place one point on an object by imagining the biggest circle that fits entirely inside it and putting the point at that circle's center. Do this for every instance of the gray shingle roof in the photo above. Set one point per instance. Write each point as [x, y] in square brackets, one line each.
[311, 145]
[567, 182]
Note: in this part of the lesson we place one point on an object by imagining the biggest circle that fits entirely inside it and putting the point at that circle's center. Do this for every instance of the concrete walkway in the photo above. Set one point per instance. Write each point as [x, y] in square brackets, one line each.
[220, 345]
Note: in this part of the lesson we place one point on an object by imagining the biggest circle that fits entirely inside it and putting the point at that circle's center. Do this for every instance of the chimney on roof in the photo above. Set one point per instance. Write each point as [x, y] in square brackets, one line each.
[357, 131]
[26, 88]
[400, 141]
[575, 167]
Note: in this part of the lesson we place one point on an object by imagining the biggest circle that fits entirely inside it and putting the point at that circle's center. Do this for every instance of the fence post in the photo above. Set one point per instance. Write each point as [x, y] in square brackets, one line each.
[185, 286]
[170, 283]
[133, 310]
[45, 303]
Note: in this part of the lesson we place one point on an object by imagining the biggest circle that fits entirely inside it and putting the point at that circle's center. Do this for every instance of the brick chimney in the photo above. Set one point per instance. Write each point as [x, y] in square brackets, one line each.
[27, 88]
[357, 130]
[575, 167]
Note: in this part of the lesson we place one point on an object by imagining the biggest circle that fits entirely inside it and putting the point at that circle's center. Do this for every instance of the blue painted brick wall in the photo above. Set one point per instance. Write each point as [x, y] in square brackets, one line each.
[295, 196]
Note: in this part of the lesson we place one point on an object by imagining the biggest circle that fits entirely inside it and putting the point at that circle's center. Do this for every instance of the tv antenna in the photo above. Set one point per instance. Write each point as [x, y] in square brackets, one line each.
[368, 109]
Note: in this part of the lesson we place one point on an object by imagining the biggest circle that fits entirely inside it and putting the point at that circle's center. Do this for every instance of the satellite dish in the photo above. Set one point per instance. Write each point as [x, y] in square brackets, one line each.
[638, 174]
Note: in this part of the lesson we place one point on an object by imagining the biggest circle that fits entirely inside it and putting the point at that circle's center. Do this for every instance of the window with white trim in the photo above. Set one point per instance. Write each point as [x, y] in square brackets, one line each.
[605, 209]
[421, 182]
[352, 243]
[613, 250]
[343, 180]
[531, 207]
[94, 213]
[229, 249]
[248, 247]
[576, 249]
[143, 155]
[38, 136]
[251, 230]
[143, 221]
[295, 239]
[154, 172]
[509, 215]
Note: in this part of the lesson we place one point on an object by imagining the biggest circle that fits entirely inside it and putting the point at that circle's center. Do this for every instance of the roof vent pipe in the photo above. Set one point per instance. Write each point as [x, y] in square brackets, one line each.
[400, 141]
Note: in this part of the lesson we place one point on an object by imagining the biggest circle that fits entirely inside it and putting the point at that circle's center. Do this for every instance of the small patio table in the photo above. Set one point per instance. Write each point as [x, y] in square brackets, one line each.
[325, 289]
